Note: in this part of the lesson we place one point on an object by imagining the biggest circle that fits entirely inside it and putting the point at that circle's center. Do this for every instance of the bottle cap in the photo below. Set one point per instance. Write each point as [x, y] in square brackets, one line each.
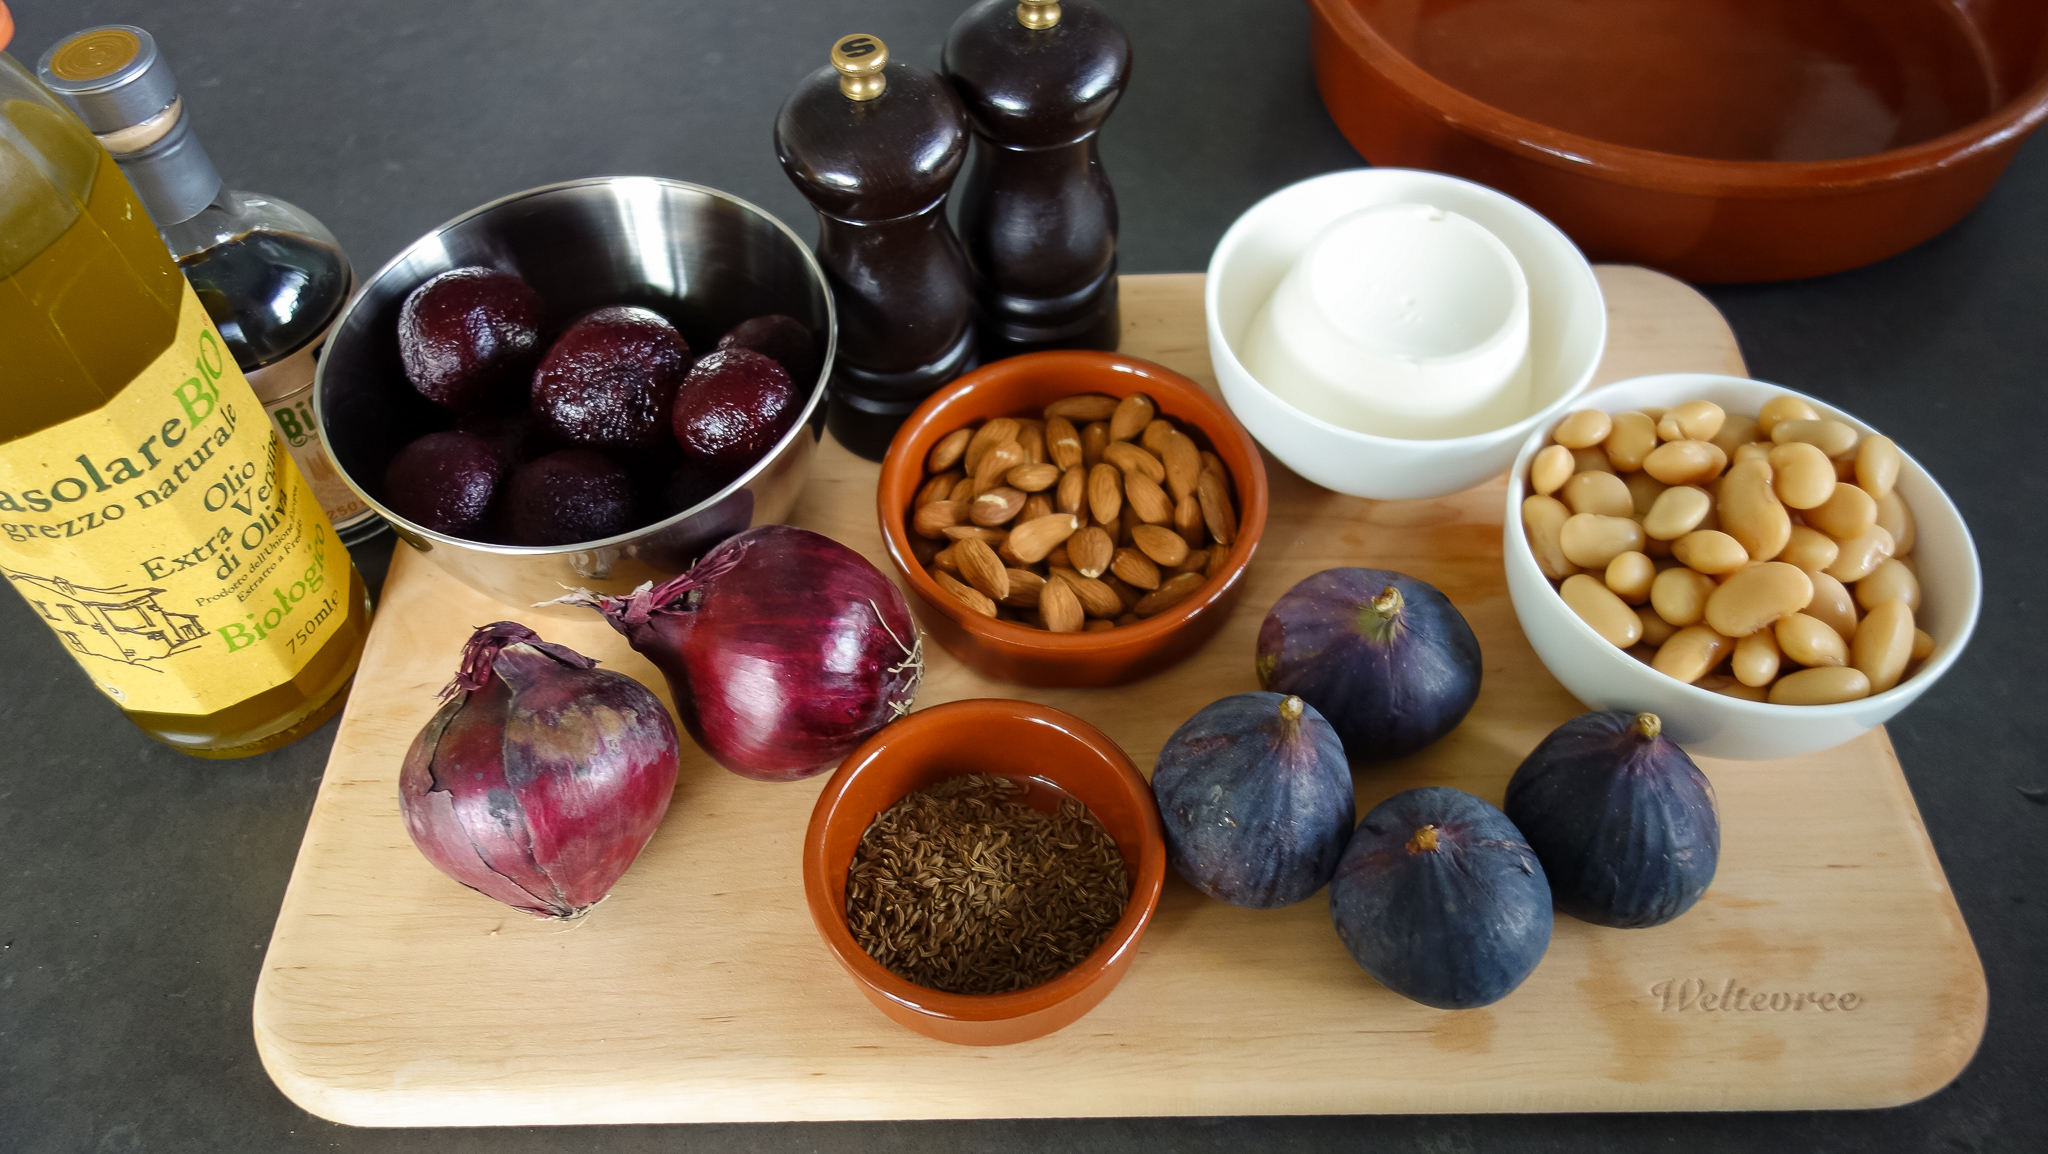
[859, 59]
[112, 76]
[1038, 15]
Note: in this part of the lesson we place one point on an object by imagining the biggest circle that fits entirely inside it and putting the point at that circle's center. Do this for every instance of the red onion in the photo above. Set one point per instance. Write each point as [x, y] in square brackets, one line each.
[541, 778]
[783, 648]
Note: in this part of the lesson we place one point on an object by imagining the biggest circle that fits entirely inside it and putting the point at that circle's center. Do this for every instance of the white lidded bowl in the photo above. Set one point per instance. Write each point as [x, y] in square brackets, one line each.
[1567, 331]
[1708, 723]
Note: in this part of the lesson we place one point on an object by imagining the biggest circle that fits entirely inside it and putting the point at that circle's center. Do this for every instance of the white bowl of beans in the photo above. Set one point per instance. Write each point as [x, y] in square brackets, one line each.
[1889, 586]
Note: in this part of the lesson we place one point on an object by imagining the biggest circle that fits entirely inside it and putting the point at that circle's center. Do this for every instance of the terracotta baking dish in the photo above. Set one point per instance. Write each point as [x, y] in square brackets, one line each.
[1021, 386]
[1717, 140]
[1016, 739]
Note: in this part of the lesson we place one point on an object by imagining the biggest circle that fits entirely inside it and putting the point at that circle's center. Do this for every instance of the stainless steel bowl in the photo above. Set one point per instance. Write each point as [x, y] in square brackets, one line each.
[705, 259]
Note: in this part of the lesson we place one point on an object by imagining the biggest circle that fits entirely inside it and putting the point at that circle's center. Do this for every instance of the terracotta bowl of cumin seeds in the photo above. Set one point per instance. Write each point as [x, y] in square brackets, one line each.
[1053, 754]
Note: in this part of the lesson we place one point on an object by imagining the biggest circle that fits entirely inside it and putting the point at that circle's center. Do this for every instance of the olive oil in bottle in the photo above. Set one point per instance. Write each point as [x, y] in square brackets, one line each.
[271, 276]
[147, 513]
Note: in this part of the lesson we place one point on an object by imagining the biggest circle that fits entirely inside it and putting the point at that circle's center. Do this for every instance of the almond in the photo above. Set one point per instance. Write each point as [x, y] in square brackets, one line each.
[963, 490]
[1097, 599]
[1093, 437]
[1058, 557]
[1219, 560]
[946, 559]
[1024, 587]
[1214, 464]
[1033, 478]
[1175, 591]
[1128, 619]
[938, 488]
[1135, 568]
[1132, 414]
[1062, 442]
[1105, 493]
[1155, 436]
[1009, 555]
[1187, 521]
[1035, 506]
[1033, 539]
[992, 537]
[1000, 431]
[1132, 459]
[1031, 439]
[1183, 465]
[1082, 408]
[924, 549]
[996, 464]
[1098, 625]
[949, 450]
[931, 520]
[1126, 593]
[996, 506]
[1073, 491]
[1061, 607]
[980, 568]
[1123, 526]
[1091, 550]
[1214, 493]
[1164, 546]
[972, 598]
[1197, 561]
[1147, 499]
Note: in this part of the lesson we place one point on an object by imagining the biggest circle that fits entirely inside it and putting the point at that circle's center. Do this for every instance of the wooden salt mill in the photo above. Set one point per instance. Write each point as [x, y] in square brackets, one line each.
[874, 146]
[1037, 214]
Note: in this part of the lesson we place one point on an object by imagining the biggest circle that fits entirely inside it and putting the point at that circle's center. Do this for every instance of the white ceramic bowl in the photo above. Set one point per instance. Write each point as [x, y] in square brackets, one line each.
[1567, 331]
[1708, 723]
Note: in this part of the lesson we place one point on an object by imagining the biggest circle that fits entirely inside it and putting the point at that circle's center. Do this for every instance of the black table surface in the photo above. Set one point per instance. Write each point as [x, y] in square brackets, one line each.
[138, 887]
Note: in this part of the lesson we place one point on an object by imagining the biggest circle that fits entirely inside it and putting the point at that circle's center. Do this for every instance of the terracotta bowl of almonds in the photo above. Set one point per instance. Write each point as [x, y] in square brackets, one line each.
[1072, 518]
[1076, 948]
[1763, 571]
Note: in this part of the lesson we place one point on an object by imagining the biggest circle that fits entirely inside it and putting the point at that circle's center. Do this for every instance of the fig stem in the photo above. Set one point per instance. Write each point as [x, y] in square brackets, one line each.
[1424, 840]
[1649, 725]
[1388, 603]
[1290, 708]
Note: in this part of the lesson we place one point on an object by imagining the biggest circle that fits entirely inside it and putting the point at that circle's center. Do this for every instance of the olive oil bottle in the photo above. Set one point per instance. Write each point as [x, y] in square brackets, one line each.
[148, 514]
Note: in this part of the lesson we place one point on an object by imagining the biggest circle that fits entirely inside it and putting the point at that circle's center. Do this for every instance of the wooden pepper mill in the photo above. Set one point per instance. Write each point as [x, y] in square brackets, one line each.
[1037, 214]
[874, 145]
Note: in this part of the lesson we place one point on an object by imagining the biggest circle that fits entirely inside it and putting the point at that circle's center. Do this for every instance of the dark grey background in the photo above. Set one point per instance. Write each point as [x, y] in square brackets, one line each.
[138, 887]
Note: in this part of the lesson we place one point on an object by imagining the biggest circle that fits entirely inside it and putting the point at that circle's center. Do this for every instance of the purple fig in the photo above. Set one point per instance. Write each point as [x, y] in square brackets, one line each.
[782, 338]
[609, 381]
[541, 778]
[568, 497]
[467, 334]
[1255, 797]
[734, 406]
[444, 482]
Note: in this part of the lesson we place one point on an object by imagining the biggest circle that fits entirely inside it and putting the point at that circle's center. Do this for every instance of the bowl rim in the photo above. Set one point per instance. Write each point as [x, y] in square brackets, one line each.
[1252, 495]
[1148, 877]
[1889, 702]
[799, 427]
[1670, 171]
[1220, 345]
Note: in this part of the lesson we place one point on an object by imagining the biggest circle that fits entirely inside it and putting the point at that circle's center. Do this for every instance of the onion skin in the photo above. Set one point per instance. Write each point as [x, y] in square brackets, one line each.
[541, 778]
[1441, 899]
[1621, 818]
[1255, 798]
[1389, 683]
[783, 648]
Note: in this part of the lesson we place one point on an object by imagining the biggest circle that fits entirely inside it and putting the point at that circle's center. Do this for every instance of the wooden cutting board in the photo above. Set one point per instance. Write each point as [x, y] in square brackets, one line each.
[1827, 967]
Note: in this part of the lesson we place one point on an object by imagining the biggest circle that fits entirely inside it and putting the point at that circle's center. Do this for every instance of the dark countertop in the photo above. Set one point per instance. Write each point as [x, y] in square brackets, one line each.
[138, 887]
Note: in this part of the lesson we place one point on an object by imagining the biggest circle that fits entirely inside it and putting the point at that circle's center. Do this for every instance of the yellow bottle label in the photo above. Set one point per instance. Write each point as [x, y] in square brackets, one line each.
[169, 540]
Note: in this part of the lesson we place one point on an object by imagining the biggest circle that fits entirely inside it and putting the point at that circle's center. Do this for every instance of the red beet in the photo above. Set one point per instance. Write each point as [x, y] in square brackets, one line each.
[444, 482]
[568, 497]
[610, 380]
[783, 338]
[733, 407]
[467, 334]
[541, 778]
[784, 650]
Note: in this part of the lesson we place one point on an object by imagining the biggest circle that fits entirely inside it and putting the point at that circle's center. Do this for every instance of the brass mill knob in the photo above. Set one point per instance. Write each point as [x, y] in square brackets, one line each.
[859, 59]
[1038, 14]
